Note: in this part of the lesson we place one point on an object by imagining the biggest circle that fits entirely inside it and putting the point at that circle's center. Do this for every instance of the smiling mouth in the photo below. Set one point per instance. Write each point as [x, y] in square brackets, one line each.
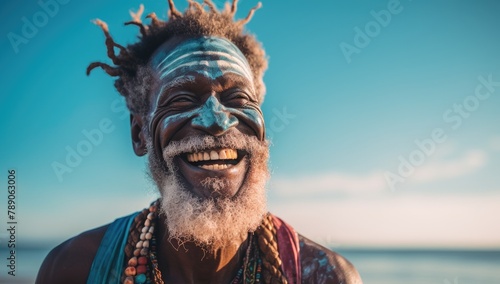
[214, 159]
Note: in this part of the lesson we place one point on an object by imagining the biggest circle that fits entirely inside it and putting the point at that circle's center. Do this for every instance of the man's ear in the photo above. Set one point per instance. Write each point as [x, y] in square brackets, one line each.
[138, 136]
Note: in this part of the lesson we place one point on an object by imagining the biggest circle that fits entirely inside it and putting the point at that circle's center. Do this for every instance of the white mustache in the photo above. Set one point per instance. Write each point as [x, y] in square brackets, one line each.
[202, 143]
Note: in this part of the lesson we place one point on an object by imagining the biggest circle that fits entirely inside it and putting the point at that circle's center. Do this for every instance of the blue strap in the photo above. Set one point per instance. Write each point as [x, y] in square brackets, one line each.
[107, 266]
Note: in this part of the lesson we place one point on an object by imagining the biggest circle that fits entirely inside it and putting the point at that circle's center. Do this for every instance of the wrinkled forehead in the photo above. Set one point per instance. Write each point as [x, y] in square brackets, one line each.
[207, 55]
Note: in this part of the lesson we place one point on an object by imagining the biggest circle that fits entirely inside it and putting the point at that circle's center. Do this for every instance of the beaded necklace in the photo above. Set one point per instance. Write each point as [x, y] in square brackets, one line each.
[142, 267]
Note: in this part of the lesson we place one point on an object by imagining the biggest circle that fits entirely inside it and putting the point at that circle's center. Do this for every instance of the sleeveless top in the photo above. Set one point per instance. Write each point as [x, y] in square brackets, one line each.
[107, 266]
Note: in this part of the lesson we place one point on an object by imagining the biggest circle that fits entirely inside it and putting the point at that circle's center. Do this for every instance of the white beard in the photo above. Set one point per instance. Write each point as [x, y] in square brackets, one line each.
[213, 223]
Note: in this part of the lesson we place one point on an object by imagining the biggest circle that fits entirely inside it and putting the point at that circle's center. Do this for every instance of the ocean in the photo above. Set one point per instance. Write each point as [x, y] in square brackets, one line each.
[426, 266]
[375, 266]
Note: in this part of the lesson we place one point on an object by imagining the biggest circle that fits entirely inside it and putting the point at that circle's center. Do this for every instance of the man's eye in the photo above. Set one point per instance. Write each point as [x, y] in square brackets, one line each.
[237, 99]
[181, 99]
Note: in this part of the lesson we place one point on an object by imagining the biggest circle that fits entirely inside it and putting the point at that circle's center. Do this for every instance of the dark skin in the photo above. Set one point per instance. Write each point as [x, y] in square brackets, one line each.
[229, 104]
[70, 263]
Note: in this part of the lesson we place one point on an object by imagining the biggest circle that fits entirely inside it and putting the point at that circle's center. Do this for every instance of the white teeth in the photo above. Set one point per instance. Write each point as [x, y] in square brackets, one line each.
[215, 167]
[214, 155]
[224, 154]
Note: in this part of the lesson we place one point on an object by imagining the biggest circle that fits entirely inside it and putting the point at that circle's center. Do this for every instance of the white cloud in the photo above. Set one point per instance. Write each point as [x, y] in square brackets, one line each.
[329, 182]
[444, 220]
[440, 169]
[437, 167]
[495, 143]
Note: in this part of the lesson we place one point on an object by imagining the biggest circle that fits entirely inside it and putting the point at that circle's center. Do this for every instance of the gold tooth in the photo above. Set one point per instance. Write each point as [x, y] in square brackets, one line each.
[222, 155]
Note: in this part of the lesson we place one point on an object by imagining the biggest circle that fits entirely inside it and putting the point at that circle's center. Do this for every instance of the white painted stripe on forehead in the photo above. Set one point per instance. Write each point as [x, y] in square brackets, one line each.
[209, 53]
[206, 44]
[193, 47]
[224, 67]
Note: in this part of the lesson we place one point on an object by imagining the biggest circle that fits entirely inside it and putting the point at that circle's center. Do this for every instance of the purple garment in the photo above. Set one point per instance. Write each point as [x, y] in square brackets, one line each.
[289, 250]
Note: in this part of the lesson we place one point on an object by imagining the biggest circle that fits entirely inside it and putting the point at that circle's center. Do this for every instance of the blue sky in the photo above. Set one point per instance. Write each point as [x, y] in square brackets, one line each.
[339, 121]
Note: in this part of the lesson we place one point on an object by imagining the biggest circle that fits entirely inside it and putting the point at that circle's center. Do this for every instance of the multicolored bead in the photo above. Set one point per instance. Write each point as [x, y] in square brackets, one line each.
[141, 269]
[129, 280]
[132, 261]
[130, 271]
[140, 279]
[142, 260]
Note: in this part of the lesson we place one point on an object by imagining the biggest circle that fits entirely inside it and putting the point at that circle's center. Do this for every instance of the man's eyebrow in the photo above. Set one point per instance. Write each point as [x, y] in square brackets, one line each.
[235, 79]
[177, 82]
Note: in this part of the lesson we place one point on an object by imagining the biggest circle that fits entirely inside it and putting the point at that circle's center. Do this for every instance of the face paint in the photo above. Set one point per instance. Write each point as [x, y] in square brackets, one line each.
[213, 113]
[204, 88]
[211, 57]
[176, 82]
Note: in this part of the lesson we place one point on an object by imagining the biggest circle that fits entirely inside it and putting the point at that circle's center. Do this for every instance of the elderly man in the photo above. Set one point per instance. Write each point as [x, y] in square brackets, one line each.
[194, 88]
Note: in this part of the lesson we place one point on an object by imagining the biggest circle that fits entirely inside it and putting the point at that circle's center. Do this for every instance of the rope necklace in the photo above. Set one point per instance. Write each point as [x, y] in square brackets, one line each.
[142, 267]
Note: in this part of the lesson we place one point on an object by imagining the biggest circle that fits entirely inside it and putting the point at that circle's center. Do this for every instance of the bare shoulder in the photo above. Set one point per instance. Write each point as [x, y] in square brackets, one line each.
[321, 265]
[70, 261]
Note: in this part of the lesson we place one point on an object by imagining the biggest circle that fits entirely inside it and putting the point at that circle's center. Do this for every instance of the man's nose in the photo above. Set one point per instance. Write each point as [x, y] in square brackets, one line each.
[214, 118]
